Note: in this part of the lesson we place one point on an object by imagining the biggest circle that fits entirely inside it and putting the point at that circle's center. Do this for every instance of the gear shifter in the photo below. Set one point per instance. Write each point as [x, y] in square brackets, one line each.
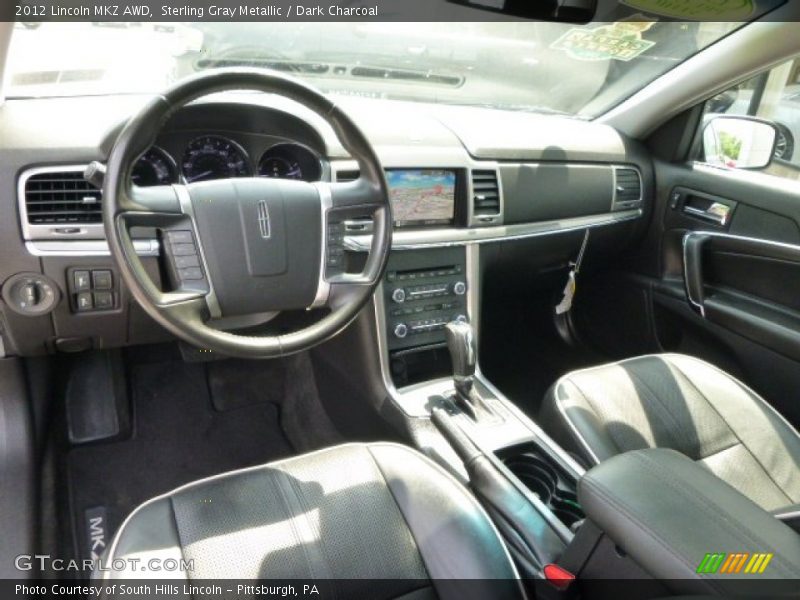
[461, 344]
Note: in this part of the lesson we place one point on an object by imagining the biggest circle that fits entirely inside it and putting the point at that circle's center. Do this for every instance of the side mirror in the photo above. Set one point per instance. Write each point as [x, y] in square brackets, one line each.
[739, 142]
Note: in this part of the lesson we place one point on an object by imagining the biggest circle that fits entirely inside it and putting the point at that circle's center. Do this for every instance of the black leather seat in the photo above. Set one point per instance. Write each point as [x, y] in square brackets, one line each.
[354, 514]
[683, 403]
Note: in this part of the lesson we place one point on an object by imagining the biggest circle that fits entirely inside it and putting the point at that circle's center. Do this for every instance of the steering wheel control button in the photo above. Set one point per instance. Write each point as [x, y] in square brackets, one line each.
[84, 302]
[182, 236]
[182, 262]
[184, 250]
[102, 280]
[103, 300]
[190, 274]
[82, 281]
[186, 272]
[335, 249]
[31, 294]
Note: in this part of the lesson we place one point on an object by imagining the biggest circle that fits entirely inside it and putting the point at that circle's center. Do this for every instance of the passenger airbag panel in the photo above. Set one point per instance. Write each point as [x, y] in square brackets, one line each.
[549, 191]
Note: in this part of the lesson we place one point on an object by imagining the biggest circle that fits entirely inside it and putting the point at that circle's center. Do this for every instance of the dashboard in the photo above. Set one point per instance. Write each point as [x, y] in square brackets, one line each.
[457, 176]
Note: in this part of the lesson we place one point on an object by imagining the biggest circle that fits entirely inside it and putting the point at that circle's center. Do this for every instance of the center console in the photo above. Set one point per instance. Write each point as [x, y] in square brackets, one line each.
[427, 313]
[423, 290]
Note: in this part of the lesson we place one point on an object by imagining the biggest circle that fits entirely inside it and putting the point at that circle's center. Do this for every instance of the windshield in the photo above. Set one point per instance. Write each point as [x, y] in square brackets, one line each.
[531, 66]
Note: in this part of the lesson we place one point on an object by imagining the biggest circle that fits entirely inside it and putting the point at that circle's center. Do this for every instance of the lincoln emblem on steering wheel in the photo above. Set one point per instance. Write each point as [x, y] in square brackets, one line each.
[263, 220]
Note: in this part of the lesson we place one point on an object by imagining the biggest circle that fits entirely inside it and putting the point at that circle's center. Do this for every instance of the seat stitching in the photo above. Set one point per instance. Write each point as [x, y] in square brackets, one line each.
[650, 393]
[718, 452]
[733, 431]
[279, 486]
[665, 409]
[301, 499]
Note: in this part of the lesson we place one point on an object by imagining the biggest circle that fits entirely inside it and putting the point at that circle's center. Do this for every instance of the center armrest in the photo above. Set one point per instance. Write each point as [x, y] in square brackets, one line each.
[668, 513]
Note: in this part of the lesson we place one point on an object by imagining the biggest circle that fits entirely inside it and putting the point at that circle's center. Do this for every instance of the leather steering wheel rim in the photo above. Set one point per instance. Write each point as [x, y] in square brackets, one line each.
[186, 315]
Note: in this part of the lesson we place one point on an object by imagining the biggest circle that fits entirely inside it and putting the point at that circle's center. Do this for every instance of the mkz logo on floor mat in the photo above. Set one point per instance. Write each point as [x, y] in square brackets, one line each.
[96, 531]
[731, 564]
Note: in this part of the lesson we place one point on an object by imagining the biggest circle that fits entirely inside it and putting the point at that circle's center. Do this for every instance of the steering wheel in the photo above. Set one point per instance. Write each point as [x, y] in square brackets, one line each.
[246, 246]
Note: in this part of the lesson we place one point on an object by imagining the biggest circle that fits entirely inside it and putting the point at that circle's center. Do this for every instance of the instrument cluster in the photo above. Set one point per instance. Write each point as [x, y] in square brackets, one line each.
[213, 156]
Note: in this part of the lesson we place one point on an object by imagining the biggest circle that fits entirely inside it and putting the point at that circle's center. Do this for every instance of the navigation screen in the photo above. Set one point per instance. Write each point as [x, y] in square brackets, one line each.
[422, 196]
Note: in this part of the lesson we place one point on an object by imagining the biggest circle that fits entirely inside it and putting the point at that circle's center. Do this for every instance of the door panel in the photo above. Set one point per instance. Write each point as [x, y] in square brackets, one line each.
[726, 274]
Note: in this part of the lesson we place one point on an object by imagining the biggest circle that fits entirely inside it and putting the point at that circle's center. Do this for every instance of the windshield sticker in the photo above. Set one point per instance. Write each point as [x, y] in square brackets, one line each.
[697, 10]
[618, 41]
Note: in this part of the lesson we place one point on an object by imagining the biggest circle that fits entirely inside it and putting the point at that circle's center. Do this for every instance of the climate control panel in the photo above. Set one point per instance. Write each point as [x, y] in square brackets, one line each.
[423, 291]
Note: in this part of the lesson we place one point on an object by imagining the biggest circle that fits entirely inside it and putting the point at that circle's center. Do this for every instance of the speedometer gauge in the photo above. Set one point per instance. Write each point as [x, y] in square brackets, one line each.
[214, 157]
[155, 167]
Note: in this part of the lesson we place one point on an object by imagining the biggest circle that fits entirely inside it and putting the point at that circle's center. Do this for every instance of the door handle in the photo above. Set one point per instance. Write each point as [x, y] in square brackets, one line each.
[693, 243]
[717, 213]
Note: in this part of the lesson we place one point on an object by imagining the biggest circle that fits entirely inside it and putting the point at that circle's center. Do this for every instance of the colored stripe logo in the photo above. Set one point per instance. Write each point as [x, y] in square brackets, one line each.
[733, 563]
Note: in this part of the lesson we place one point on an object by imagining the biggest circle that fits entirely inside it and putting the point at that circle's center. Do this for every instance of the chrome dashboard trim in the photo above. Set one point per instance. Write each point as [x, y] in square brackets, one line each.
[149, 247]
[432, 238]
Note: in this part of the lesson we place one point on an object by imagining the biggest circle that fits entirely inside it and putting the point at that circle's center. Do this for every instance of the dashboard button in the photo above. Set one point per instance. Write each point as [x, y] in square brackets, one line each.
[103, 300]
[82, 281]
[102, 280]
[84, 302]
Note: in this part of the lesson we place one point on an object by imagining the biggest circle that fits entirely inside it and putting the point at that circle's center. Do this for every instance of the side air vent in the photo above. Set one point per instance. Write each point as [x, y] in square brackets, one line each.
[628, 192]
[485, 193]
[61, 197]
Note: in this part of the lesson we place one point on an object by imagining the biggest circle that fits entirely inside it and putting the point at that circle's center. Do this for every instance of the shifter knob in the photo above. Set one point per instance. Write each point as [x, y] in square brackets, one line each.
[461, 344]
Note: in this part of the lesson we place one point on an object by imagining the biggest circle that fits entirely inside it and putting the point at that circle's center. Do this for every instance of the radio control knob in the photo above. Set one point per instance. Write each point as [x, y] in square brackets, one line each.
[400, 330]
[399, 295]
[462, 319]
[459, 288]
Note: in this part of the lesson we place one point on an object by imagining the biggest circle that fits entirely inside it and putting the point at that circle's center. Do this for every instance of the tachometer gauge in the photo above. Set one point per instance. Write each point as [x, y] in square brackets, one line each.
[155, 167]
[290, 161]
[214, 157]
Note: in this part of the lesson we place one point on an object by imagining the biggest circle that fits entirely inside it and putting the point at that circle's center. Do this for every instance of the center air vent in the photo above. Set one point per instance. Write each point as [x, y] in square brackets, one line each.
[485, 193]
[628, 187]
[58, 197]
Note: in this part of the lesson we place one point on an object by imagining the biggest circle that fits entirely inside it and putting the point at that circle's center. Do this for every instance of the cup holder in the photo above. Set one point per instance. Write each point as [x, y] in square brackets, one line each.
[555, 489]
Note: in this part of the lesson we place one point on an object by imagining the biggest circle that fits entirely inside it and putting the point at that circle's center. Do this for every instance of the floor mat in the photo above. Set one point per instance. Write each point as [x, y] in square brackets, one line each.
[178, 437]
